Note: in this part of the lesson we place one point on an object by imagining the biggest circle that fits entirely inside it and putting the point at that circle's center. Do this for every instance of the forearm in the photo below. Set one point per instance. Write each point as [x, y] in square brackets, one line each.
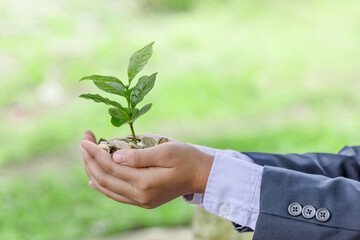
[331, 165]
[332, 201]
[231, 152]
[343, 164]
[232, 190]
[198, 197]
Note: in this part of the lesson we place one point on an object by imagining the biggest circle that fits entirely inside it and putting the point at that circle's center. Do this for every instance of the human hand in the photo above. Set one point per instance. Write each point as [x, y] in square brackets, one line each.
[146, 177]
[88, 136]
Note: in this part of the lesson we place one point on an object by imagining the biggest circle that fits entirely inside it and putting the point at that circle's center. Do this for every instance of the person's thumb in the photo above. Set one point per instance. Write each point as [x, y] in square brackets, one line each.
[138, 158]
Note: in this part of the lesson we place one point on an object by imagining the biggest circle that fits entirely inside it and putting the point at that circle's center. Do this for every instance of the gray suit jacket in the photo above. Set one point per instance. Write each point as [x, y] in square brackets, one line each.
[321, 180]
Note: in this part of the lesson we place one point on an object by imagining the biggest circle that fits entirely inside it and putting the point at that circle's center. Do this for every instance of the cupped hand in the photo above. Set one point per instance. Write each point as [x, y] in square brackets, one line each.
[146, 177]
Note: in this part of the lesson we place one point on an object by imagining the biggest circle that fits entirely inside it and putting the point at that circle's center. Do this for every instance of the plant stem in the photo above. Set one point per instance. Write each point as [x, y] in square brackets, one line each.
[130, 123]
[129, 108]
[132, 131]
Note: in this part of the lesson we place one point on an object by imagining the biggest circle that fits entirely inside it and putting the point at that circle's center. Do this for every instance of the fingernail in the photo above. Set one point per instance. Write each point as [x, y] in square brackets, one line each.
[119, 157]
[91, 184]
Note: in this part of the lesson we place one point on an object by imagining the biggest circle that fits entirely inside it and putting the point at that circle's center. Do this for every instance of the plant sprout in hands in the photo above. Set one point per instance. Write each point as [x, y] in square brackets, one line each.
[148, 176]
[121, 115]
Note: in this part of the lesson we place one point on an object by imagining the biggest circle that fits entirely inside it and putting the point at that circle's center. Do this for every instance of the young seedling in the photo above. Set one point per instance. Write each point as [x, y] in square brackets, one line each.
[121, 115]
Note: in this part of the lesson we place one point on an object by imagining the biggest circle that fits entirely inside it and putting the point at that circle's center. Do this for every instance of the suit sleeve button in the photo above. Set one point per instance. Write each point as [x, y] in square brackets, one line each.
[294, 209]
[308, 211]
[322, 214]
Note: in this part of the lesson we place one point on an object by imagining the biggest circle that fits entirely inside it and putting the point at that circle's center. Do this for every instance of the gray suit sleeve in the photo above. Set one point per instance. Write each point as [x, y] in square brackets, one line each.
[281, 187]
[345, 164]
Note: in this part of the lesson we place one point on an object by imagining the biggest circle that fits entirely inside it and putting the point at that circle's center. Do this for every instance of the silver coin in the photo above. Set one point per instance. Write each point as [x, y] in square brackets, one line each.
[120, 144]
[163, 140]
[134, 146]
[148, 142]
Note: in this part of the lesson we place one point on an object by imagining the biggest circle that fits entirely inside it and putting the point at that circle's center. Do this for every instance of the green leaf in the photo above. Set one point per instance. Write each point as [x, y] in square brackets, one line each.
[100, 99]
[135, 111]
[142, 111]
[128, 93]
[102, 78]
[108, 84]
[138, 61]
[119, 114]
[116, 122]
[144, 85]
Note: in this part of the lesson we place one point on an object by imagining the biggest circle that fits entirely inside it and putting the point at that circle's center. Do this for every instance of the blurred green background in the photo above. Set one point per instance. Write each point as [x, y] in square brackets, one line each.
[247, 75]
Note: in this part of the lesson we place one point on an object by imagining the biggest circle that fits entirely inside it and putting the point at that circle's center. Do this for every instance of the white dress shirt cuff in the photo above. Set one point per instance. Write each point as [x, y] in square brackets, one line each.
[194, 198]
[197, 198]
[233, 190]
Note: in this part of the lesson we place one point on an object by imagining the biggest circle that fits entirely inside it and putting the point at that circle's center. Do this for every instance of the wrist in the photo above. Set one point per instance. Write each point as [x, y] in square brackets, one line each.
[203, 171]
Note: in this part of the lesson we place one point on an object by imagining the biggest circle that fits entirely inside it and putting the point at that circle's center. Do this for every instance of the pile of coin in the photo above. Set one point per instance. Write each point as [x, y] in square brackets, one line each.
[114, 144]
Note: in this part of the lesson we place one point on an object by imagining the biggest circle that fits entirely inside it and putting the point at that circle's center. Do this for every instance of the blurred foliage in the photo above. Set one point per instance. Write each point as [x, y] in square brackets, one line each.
[246, 75]
[54, 206]
[168, 5]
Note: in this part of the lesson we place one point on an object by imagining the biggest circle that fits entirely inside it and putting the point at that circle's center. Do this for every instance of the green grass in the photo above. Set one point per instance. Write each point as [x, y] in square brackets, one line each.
[250, 76]
[55, 205]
